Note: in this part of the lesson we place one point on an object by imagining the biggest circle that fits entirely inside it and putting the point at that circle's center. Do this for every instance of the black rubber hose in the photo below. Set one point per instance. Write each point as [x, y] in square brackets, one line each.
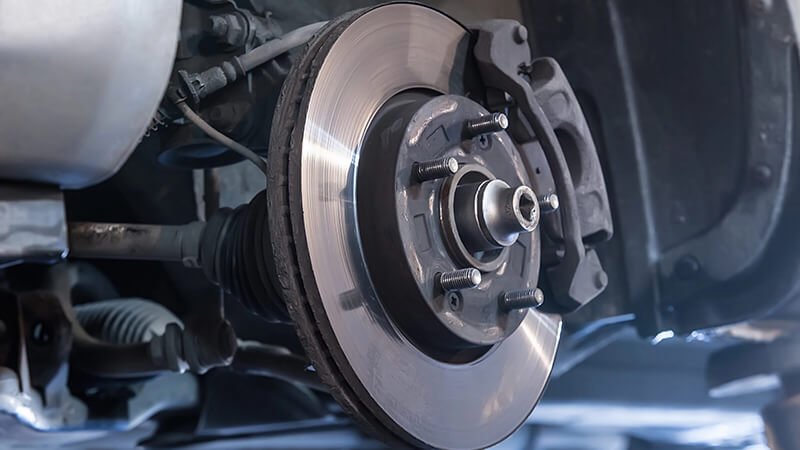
[276, 47]
[197, 86]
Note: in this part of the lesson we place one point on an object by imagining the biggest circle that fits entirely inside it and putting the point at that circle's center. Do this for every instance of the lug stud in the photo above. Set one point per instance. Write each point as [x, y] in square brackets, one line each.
[487, 124]
[526, 298]
[460, 279]
[548, 203]
[438, 168]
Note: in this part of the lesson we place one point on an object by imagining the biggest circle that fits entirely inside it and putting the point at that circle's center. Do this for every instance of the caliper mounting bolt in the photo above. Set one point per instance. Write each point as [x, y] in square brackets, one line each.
[526, 298]
[460, 279]
[437, 168]
[491, 123]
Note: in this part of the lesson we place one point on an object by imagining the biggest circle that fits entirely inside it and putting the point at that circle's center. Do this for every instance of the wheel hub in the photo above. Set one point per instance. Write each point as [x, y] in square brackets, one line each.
[445, 224]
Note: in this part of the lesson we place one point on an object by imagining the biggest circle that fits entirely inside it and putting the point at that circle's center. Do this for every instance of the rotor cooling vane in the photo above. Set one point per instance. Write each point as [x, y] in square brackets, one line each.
[413, 252]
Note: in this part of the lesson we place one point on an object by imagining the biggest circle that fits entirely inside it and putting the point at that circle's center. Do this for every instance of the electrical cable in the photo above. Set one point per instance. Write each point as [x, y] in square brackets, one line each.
[197, 86]
[213, 133]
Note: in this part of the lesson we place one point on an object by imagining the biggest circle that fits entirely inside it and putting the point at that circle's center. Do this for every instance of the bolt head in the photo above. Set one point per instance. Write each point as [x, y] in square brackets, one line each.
[502, 120]
[538, 295]
[452, 165]
[475, 277]
[218, 26]
[549, 203]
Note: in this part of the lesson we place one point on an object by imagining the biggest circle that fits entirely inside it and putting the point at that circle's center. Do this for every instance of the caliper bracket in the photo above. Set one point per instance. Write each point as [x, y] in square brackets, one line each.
[546, 102]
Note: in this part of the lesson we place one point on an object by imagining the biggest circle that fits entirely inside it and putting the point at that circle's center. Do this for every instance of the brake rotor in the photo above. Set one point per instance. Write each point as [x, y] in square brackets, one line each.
[367, 75]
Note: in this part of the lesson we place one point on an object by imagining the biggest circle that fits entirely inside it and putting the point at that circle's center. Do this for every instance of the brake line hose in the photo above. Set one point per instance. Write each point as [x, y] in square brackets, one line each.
[197, 86]
[276, 47]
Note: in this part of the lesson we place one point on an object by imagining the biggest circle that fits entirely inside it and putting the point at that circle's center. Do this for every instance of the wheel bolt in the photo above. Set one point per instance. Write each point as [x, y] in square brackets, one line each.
[526, 298]
[548, 203]
[487, 124]
[438, 168]
[460, 279]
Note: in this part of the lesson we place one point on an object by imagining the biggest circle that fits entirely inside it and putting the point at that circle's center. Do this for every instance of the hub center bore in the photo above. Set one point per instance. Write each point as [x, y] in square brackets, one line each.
[491, 214]
[448, 223]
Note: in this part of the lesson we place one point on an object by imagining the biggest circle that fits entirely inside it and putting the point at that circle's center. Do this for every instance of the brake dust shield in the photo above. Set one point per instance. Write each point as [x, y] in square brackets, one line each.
[354, 66]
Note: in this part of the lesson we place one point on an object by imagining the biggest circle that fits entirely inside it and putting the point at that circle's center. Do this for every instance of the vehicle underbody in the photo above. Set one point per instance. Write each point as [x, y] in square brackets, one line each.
[451, 224]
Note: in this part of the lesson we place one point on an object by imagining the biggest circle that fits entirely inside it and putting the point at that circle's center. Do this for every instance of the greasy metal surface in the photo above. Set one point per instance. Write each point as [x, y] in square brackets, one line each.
[384, 52]
[80, 84]
[129, 241]
[33, 224]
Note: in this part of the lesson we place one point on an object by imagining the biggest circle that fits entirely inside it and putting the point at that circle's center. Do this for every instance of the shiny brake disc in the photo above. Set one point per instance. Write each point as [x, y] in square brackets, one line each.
[412, 362]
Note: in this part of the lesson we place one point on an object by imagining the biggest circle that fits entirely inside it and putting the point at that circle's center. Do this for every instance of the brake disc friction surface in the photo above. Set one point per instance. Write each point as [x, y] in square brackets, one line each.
[347, 73]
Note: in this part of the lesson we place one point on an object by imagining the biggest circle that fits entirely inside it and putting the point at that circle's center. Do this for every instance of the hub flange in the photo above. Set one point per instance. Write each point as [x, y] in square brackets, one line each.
[471, 219]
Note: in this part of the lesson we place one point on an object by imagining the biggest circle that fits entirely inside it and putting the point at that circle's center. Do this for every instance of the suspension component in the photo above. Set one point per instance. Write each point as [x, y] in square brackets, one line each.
[230, 249]
[235, 255]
